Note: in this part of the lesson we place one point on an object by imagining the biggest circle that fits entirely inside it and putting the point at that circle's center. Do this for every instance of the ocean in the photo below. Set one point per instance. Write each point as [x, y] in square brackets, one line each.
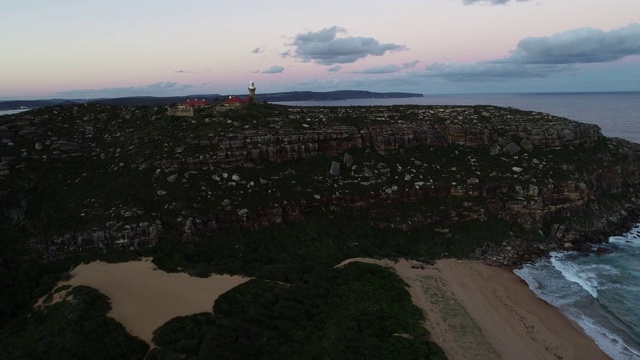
[599, 293]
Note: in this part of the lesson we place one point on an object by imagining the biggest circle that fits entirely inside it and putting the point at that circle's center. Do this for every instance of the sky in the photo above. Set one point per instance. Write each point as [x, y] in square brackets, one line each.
[97, 48]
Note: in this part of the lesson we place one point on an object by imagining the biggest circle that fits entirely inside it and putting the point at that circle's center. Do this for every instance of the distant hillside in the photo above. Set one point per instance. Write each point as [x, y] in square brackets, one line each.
[153, 100]
[123, 101]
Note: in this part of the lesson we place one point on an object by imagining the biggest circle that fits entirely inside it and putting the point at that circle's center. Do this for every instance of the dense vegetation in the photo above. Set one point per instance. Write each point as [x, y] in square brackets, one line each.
[361, 311]
[285, 252]
[301, 305]
[76, 328]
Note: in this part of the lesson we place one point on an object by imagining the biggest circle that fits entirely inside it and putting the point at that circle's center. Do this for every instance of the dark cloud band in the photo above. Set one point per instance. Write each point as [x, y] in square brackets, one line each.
[157, 89]
[579, 46]
[273, 70]
[387, 69]
[540, 57]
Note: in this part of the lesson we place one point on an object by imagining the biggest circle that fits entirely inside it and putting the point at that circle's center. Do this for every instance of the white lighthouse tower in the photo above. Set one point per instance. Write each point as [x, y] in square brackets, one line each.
[252, 92]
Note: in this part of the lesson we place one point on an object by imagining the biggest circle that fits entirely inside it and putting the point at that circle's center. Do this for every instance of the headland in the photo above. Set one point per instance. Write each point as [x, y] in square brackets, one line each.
[282, 194]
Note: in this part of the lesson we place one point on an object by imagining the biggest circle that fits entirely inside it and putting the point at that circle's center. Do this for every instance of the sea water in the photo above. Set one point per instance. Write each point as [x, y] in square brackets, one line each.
[600, 293]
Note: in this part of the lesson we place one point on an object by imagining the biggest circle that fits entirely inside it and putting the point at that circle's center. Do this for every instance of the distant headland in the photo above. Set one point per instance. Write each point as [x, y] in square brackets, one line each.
[166, 100]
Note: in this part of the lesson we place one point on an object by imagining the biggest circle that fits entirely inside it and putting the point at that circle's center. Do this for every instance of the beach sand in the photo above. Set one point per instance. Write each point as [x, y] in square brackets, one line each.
[472, 310]
[143, 298]
[475, 311]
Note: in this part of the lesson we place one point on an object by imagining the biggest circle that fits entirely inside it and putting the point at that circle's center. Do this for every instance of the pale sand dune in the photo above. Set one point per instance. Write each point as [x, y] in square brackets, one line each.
[475, 311]
[143, 298]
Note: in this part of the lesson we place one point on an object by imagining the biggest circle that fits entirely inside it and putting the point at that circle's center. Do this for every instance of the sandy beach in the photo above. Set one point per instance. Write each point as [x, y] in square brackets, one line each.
[475, 311]
[143, 298]
[472, 310]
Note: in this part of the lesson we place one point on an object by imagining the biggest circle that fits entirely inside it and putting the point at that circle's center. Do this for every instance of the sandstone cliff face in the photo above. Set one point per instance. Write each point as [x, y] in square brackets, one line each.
[541, 131]
[530, 203]
[407, 167]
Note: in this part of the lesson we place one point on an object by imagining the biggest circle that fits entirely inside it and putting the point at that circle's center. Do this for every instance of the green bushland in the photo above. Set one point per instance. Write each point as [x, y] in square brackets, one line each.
[358, 311]
[284, 252]
[77, 328]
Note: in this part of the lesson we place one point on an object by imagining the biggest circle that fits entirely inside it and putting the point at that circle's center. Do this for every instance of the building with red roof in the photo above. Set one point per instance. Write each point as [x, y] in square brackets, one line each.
[234, 101]
[196, 102]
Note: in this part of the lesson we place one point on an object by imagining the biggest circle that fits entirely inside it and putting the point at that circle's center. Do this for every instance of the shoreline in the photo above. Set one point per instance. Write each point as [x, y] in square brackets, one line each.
[472, 310]
[476, 311]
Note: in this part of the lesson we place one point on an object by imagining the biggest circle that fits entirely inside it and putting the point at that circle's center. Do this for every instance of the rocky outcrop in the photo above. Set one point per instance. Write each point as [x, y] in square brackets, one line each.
[284, 145]
[452, 164]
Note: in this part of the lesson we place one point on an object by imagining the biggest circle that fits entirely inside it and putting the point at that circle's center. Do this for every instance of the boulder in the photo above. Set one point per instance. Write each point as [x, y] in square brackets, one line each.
[603, 250]
[512, 149]
[495, 149]
[335, 168]
[347, 159]
[172, 178]
[583, 247]
[526, 145]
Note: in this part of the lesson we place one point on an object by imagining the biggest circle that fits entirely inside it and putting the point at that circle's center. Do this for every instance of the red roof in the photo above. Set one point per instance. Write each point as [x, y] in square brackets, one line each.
[235, 100]
[196, 102]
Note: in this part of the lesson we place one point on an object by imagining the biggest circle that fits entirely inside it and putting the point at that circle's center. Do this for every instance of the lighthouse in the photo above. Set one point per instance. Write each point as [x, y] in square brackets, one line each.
[252, 92]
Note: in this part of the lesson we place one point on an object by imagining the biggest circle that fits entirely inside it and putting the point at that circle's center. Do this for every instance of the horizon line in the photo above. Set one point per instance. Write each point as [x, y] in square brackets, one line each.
[2, 100]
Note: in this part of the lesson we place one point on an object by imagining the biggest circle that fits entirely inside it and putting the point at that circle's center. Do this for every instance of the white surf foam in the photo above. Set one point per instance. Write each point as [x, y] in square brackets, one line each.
[632, 238]
[612, 344]
[547, 283]
[575, 273]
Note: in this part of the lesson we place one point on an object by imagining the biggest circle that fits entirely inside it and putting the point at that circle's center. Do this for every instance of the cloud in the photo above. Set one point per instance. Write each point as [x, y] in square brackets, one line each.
[492, 2]
[540, 57]
[191, 72]
[157, 89]
[257, 50]
[489, 71]
[273, 70]
[409, 65]
[579, 46]
[335, 68]
[387, 69]
[324, 47]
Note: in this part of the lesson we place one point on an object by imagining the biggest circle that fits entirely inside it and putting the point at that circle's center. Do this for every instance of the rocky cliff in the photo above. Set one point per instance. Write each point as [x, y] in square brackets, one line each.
[67, 171]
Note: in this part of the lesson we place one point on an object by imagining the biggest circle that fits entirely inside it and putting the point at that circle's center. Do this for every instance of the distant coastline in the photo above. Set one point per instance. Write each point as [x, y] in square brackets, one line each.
[268, 97]
[312, 97]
